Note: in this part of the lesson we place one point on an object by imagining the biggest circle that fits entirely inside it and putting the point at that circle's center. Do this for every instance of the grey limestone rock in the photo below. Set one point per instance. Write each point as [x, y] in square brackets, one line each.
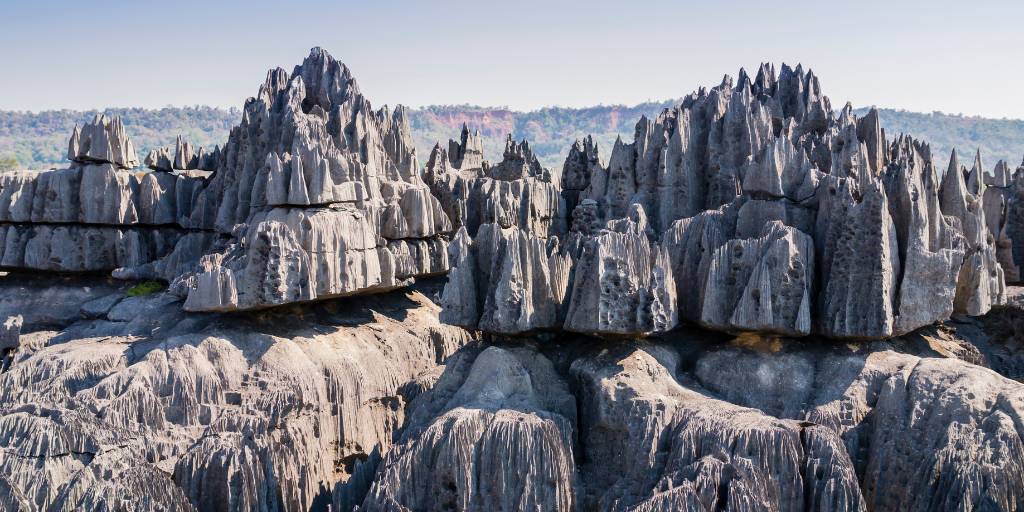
[321, 196]
[1002, 204]
[159, 159]
[508, 284]
[104, 140]
[183, 157]
[10, 333]
[751, 206]
[762, 284]
[517, 191]
[689, 451]
[623, 283]
[1012, 248]
[501, 440]
[867, 242]
[980, 283]
[75, 248]
[91, 217]
[154, 410]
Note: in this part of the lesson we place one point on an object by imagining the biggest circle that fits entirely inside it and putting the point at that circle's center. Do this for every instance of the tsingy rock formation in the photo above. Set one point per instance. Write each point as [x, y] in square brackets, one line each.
[183, 157]
[1004, 216]
[96, 215]
[104, 140]
[750, 207]
[136, 405]
[321, 195]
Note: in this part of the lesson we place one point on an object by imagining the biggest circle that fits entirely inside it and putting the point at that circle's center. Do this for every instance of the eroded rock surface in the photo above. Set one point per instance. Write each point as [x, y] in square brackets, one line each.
[183, 157]
[774, 213]
[133, 403]
[96, 215]
[695, 422]
[750, 207]
[144, 407]
[321, 195]
[104, 140]
[495, 433]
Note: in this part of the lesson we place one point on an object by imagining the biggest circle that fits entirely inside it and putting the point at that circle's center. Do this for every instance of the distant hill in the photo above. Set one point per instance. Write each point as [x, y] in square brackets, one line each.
[998, 139]
[39, 140]
[550, 131]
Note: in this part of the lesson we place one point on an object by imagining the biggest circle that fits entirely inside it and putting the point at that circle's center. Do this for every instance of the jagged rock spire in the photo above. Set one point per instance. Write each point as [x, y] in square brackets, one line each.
[103, 140]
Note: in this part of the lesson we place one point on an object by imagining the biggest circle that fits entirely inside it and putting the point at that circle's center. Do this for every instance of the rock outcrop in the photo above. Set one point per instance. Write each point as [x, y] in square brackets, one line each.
[685, 423]
[752, 209]
[315, 195]
[95, 215]
[1003, 202]
[113, 401]
[517, 191]
[183, 157]
[143, 407]
[321, 195]
[104, 140]
[495, 433]
[763, 209]
[981, 282]
[752, 206]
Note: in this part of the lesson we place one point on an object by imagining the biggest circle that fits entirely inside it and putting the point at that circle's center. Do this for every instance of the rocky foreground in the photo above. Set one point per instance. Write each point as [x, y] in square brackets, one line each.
[127, 403]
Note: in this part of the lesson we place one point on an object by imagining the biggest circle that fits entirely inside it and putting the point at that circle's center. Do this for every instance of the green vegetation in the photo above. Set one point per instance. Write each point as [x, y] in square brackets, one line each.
[39, 140]
[550, 131]
[8, 163]
[145, 288]
[998, 139]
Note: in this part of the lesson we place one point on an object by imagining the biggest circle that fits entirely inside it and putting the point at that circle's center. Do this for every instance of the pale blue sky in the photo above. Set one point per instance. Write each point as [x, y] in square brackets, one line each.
[951, 56]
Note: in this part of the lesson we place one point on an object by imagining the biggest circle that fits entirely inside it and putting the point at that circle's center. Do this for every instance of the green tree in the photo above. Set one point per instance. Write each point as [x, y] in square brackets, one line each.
[8, 163]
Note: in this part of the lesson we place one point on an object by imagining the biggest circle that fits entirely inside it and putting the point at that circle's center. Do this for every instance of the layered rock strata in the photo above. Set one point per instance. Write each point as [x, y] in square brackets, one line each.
[95, 215]
[321, 195]
[759, 209]
[752, 206]
[314, 195]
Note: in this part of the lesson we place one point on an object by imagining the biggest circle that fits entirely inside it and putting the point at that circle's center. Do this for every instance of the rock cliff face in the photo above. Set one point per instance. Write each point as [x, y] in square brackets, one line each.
[94, 215]
[103, 141]
[1003, 202]
[131, 404]
[750, 207]
[119, 402]
[314, 195]
[322, 197]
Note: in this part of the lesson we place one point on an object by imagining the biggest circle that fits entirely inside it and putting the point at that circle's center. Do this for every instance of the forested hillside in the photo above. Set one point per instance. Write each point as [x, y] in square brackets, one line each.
[38, 140]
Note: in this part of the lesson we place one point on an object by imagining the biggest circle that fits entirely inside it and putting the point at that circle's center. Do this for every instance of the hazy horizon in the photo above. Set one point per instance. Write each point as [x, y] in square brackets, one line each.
[522, 56]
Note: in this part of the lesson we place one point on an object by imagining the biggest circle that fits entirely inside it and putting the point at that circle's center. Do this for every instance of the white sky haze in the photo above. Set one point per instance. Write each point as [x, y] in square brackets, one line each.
[956, 57]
